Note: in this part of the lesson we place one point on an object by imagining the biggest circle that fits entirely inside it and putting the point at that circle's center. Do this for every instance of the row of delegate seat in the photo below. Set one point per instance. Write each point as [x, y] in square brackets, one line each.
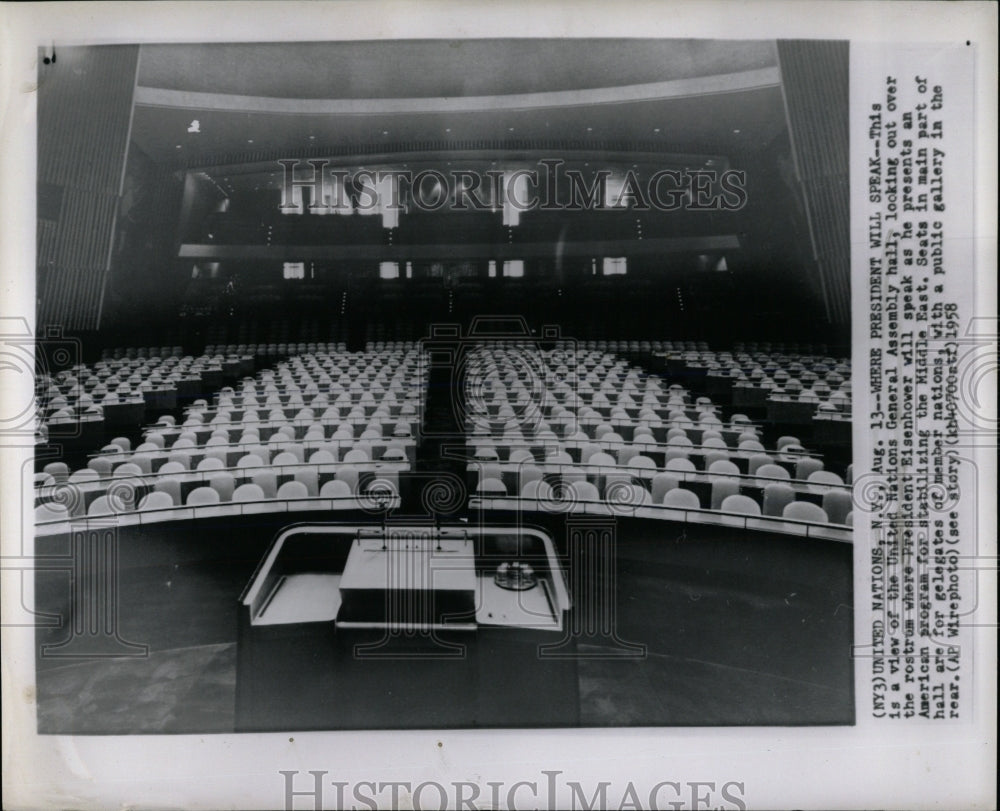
[823, 378]
[676, 454]
[634, 346]
[375, 429]
[327, 387]
[130, 352]
[780, 347]
[117, 392]
[149, 458]
[573, 379]
[383, 432]
[297, 446]
[655, 400]
[794, 388]
[557, 448]
[257, 349]
[775, 368]
[768, 490]
[758, 465]
[278, 349]
[107, 380]
[86, 493]
[364, 402]
[505, 407]
[626, 496]
[388, 346]
[750, 461]
[220, 496]
[798, 518]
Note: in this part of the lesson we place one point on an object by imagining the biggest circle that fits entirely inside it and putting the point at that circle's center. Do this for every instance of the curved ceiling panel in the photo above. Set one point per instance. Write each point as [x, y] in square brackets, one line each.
[702, 124]
[678, 88]
[426, 68]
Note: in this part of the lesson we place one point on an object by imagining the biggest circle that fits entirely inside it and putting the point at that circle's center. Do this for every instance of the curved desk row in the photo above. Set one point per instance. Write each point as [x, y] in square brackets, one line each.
[375, 501]
[556, 506]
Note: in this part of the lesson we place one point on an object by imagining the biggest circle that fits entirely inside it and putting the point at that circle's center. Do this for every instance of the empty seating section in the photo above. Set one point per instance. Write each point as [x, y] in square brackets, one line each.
[267, 352]
[790, 384]
[82, 401]
[577, 427]
[319, 430]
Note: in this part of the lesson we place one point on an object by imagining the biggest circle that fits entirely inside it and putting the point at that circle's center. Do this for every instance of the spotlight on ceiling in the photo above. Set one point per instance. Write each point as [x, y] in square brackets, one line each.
[712, 263]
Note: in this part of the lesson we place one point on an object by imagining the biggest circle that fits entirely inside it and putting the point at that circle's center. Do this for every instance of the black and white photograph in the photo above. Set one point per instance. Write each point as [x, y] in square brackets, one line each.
[486, 386]
[509, 390]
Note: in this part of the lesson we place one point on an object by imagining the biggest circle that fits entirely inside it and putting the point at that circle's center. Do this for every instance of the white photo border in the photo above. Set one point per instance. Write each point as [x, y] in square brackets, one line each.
[863, 766]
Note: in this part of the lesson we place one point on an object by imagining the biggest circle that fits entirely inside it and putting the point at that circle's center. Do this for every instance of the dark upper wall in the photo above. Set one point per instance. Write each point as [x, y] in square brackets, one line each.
[84, 116]
[143, 282]
[84, 112]
[816, 79]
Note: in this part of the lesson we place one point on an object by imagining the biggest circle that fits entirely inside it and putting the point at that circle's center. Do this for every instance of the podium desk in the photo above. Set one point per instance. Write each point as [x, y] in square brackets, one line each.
[356, 627]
